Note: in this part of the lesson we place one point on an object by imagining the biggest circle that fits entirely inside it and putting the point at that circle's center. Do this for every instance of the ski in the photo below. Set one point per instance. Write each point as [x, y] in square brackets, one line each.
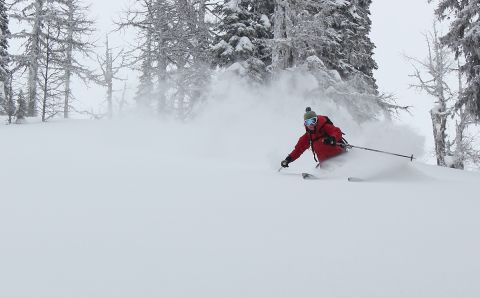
[355, 179]
[308, 176]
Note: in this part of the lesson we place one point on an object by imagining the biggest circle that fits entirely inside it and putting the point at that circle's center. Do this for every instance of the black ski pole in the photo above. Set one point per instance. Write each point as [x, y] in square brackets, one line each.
[375, 150]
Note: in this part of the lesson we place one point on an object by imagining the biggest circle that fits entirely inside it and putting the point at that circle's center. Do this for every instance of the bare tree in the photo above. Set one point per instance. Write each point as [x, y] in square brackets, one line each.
[70, 20]
[433, 77]
[110, 66]
[77, 27]
[34, 14]
[438, 65]
[173, 42]
[51, 76]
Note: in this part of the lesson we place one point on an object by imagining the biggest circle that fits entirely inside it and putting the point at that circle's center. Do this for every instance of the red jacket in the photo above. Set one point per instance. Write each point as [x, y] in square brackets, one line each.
[323, 128]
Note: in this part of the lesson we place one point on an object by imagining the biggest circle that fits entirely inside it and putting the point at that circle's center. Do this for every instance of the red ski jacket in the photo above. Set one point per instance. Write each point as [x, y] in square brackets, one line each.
[323, 128]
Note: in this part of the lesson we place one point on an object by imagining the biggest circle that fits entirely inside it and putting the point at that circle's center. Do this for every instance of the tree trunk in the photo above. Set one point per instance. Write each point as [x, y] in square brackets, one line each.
[68, 68]
[109, 80]
[34, 55]
[282, 55]
[162, 76]
[439, 120]
[45, 87]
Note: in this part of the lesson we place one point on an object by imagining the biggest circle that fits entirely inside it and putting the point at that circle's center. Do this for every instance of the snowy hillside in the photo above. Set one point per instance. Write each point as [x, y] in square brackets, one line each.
[152, 209]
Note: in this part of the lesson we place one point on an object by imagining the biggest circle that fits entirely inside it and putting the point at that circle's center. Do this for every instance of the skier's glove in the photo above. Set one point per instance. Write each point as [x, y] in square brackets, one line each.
[329, 140]
[285, 162]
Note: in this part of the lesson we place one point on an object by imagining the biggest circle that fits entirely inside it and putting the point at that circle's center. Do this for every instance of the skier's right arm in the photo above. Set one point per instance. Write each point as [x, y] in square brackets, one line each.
[302, 145]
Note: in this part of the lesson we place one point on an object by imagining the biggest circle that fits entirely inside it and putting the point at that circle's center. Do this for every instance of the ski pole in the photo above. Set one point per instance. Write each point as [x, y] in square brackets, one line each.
[375, 150]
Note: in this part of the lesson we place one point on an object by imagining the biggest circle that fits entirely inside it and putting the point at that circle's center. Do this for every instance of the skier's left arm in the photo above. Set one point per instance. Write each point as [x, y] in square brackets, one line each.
[333, 131]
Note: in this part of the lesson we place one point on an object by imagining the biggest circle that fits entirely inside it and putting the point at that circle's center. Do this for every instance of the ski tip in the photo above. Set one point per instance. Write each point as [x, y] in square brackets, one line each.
[355, 179]
[309, 176]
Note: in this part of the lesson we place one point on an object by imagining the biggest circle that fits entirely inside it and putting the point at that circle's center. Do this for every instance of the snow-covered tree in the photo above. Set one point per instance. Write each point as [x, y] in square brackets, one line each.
[4, 57]
[34, 14]
[9, 104]
[360, 54]
[21, 111]
[283, 34]
[153, 20]
[432, 75]
[336, 32]
[110, 66]
[189, 56]
[464, 38]
[141, 18]
[438, 66]
[76, 28]
[70, 26]
[173, 42]
[243, 32]
[51, 75]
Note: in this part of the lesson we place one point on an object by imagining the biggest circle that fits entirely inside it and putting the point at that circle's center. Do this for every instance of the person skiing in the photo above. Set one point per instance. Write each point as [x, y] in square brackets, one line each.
[321, 136]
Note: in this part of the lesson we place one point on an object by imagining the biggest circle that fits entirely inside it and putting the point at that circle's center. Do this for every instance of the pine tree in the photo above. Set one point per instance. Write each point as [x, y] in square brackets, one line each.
[334, 31]
[10, 108]
[144, 93]
[464, 38]
[283, 49]
[21, 112]
[243, 32]
[361, 53]
[4, 57]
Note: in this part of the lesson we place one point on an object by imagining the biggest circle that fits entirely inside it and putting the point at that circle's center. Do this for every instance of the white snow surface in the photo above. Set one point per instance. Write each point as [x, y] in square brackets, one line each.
[244, 45]
[149, 208]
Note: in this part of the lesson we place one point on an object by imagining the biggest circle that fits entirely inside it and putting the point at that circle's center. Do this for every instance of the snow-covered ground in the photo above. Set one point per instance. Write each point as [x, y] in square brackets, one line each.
[155, 209]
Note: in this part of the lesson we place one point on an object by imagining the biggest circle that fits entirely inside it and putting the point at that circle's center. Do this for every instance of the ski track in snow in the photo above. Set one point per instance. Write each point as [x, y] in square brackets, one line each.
[150, 209]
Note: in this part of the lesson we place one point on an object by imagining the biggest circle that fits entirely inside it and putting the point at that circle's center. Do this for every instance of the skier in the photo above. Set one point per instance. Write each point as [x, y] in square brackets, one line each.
[321, 136]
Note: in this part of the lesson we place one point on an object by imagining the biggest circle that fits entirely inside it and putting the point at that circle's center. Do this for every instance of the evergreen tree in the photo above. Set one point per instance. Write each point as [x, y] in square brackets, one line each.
[335, 31]
[361, 53]
[21, 112]
[145, 88]
[10, 108]
[4, 57]
[464, 38]
[243, 32]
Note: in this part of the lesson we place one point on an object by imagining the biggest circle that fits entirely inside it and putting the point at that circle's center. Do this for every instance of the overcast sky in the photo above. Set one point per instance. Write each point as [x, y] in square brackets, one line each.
[397, 30]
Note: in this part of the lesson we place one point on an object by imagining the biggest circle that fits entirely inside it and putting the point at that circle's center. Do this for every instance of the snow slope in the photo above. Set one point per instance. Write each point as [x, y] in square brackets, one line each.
[155, 209]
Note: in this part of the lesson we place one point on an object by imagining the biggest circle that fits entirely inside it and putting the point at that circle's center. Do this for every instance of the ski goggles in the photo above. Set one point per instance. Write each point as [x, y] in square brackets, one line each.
[311, 121]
